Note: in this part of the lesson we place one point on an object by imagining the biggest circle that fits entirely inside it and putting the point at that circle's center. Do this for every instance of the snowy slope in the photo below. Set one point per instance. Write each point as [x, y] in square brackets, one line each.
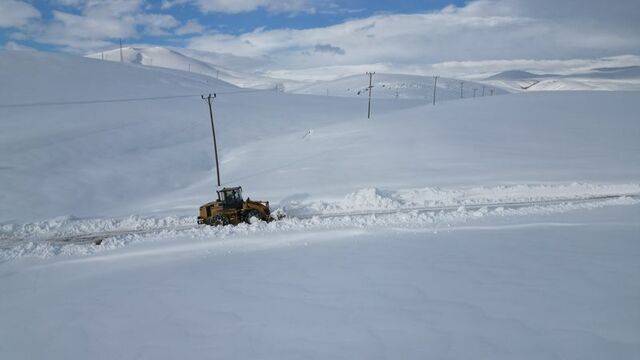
[520, 138]
[107, 158]
[212, 65]
[391, 86]
[155, 157]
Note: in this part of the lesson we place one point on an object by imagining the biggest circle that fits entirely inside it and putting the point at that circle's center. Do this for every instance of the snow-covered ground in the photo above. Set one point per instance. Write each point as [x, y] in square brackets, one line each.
[501, 227]
[562, 285]
[107, 158]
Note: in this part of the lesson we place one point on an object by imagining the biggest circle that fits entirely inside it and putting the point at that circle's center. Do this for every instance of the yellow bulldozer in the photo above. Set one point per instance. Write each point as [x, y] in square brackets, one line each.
[231, 208]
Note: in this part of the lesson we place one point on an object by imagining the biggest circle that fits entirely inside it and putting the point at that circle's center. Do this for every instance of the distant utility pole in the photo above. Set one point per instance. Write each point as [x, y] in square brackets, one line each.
[491, 92]
[435, 82]
[482, 90]
[213, 132]
[217, 74]
[370, 90]
[121, 58]
[461, 87]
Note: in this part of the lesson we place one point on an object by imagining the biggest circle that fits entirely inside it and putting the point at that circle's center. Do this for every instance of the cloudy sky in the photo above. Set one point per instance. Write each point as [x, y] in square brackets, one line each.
[298, 35]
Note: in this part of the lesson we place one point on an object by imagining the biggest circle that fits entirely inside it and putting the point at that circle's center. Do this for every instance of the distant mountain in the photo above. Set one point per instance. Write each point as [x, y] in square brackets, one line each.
[517, 75]
[613, 78]
[626, 72]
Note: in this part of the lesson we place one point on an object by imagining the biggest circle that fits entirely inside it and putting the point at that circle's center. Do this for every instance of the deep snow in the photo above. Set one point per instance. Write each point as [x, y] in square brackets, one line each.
[545, 281]
[118, 159]
[113, 158]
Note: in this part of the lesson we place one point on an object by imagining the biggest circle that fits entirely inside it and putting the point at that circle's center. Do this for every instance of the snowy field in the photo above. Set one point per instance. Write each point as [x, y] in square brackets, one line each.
[502, 227]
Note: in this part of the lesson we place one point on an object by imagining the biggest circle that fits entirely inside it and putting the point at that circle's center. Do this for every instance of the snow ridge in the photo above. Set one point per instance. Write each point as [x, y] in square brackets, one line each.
[310, 216]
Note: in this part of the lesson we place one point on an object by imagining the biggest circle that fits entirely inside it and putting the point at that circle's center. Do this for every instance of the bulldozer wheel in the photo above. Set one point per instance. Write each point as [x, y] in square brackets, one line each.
[250, 214]
[219, 220]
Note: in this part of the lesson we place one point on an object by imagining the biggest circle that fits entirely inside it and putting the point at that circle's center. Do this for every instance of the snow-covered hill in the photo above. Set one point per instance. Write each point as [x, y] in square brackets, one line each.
[391, 86]
[210, 64]
[145, 157]
[617, 78]
[111, 157]
[517, 75]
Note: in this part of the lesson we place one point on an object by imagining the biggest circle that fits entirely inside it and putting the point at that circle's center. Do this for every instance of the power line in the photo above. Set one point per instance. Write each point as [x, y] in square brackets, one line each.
[103, 101]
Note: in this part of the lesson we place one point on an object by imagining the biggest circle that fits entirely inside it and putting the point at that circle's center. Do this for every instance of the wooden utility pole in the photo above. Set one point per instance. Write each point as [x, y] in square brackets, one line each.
[482, 90]
[435, 82]
[370, 90]
[213, 132]
[461, 87]
[121, 57]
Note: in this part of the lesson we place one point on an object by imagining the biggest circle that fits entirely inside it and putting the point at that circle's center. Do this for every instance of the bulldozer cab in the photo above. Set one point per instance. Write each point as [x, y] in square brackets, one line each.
[231, 198]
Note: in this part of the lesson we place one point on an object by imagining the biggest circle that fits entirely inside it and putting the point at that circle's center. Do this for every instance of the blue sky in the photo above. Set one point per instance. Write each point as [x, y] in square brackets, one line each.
[408, 36]
[309, 14]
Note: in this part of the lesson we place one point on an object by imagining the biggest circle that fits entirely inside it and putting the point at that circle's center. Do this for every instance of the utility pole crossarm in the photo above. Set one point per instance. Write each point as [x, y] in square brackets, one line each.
[213, 132]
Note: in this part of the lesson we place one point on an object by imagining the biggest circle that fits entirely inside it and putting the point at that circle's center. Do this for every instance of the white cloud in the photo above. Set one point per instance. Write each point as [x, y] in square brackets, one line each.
[15, 13]
[156, 24]
[12, 45]
[190, 27]
[72, 3]
[480, 30]
[100, 22]
[240, 6]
